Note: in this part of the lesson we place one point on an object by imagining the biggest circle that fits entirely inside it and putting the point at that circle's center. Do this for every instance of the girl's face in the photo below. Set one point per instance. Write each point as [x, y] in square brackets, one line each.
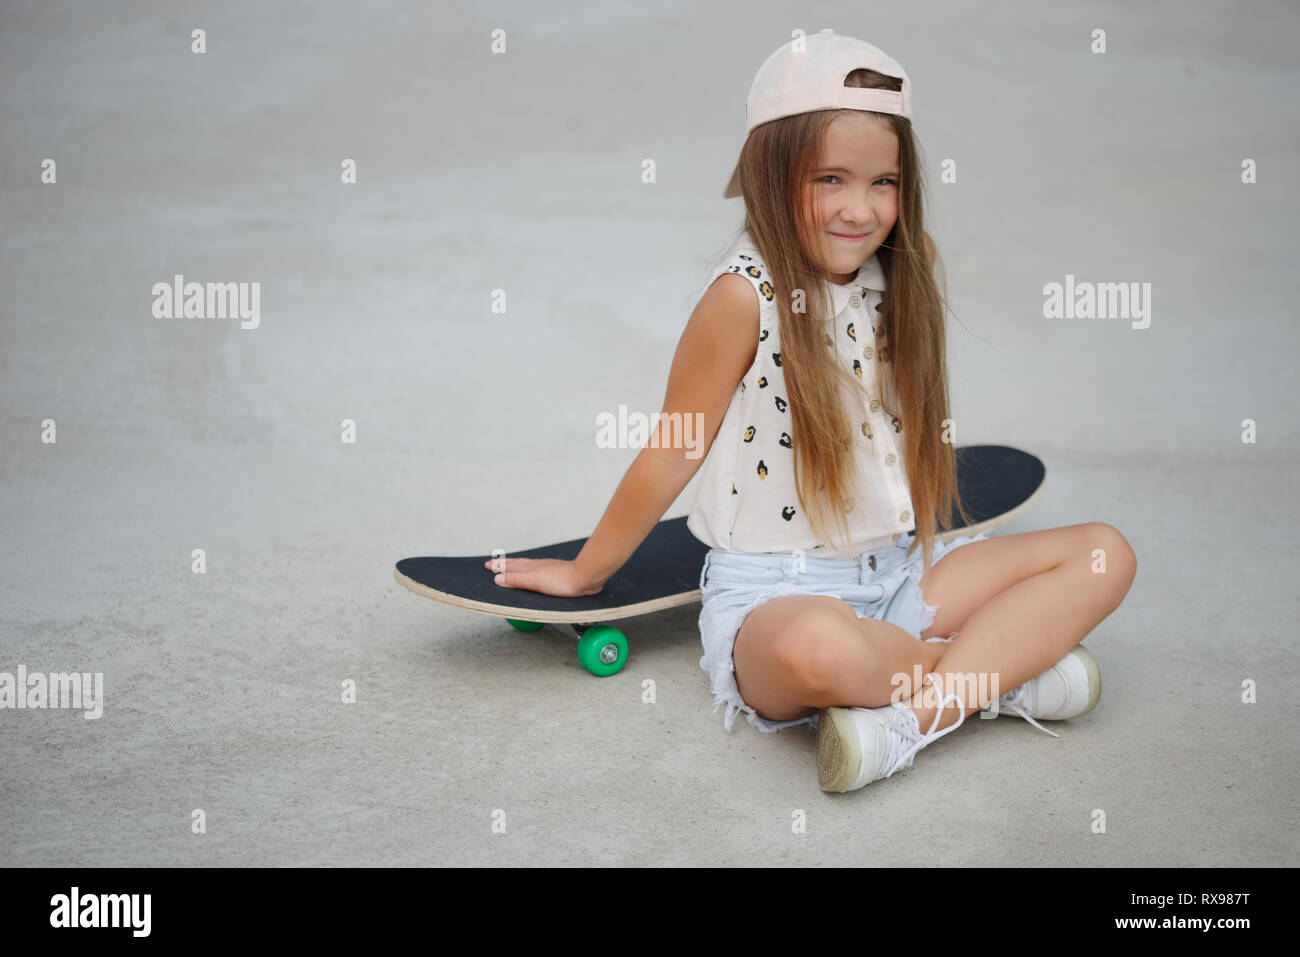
[851, 201]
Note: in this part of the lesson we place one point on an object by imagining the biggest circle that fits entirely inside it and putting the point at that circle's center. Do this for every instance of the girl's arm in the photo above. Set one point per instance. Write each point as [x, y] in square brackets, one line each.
[716, 349]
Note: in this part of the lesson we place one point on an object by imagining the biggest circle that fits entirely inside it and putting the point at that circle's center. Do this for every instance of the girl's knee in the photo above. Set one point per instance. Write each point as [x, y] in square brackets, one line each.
[1118, 561]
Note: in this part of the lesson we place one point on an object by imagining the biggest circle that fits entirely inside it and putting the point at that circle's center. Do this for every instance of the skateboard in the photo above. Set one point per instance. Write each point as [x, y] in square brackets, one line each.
[996, 484]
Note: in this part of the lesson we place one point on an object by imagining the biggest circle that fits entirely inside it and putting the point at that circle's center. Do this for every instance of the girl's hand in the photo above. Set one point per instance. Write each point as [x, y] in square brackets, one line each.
[550, 576]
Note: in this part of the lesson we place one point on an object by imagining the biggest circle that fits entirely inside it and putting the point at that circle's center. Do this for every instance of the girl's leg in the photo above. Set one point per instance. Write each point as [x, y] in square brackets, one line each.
[794, 654]
[854, 674]
[1023, 630]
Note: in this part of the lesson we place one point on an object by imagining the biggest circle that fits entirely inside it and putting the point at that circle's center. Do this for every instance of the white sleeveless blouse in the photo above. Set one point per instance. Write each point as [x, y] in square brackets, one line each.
[746, 498]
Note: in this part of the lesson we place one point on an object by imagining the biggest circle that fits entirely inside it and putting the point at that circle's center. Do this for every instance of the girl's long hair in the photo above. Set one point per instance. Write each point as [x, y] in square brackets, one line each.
[775, 165]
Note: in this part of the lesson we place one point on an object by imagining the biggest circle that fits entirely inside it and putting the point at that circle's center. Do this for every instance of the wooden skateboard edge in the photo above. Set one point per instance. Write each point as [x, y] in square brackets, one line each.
[548, 617]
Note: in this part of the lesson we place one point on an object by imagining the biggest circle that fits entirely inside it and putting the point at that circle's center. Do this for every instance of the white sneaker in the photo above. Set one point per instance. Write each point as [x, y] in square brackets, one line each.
[856, 746]
[1069, 688]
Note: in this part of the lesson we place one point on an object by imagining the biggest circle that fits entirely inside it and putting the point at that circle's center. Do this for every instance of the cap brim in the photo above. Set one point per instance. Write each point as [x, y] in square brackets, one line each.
[732, 189]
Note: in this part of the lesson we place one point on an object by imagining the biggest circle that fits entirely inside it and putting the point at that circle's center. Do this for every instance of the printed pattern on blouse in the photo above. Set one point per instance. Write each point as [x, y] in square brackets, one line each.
[746, 498]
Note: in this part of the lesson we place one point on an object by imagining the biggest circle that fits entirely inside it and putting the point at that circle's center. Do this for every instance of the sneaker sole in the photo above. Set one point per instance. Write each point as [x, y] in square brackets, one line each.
[839, 757]
[1094, 677]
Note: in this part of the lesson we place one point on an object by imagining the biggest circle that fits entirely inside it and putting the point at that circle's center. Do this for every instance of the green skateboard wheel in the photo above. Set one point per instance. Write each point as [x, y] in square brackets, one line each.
[602, 650]
[526, 625]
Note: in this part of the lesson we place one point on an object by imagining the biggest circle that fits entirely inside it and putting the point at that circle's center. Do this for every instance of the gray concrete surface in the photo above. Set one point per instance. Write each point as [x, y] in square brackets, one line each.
[476, 430]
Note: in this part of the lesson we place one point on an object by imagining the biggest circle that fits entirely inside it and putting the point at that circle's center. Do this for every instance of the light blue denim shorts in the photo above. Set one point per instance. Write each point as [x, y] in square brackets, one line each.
[883, 584]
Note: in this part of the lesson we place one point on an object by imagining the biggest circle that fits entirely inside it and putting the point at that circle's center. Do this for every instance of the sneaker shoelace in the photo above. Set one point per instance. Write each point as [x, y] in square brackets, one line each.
[908, 739]
[1014, 700]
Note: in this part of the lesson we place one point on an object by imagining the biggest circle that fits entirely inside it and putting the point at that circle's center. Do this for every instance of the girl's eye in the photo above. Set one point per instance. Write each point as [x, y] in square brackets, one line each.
[883, 179]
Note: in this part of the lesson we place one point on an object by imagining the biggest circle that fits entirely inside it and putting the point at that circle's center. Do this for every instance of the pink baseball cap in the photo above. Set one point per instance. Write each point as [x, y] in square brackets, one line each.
[808, 74]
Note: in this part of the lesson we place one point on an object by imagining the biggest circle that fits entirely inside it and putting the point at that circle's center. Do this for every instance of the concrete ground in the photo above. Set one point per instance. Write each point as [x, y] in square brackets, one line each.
[475, 430]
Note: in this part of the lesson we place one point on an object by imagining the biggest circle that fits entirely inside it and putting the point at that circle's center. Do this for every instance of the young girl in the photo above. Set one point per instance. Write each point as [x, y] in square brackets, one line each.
[816, 357]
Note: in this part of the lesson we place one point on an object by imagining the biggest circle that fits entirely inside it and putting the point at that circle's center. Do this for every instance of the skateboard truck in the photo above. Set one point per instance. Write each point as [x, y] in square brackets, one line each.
[602, 650]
